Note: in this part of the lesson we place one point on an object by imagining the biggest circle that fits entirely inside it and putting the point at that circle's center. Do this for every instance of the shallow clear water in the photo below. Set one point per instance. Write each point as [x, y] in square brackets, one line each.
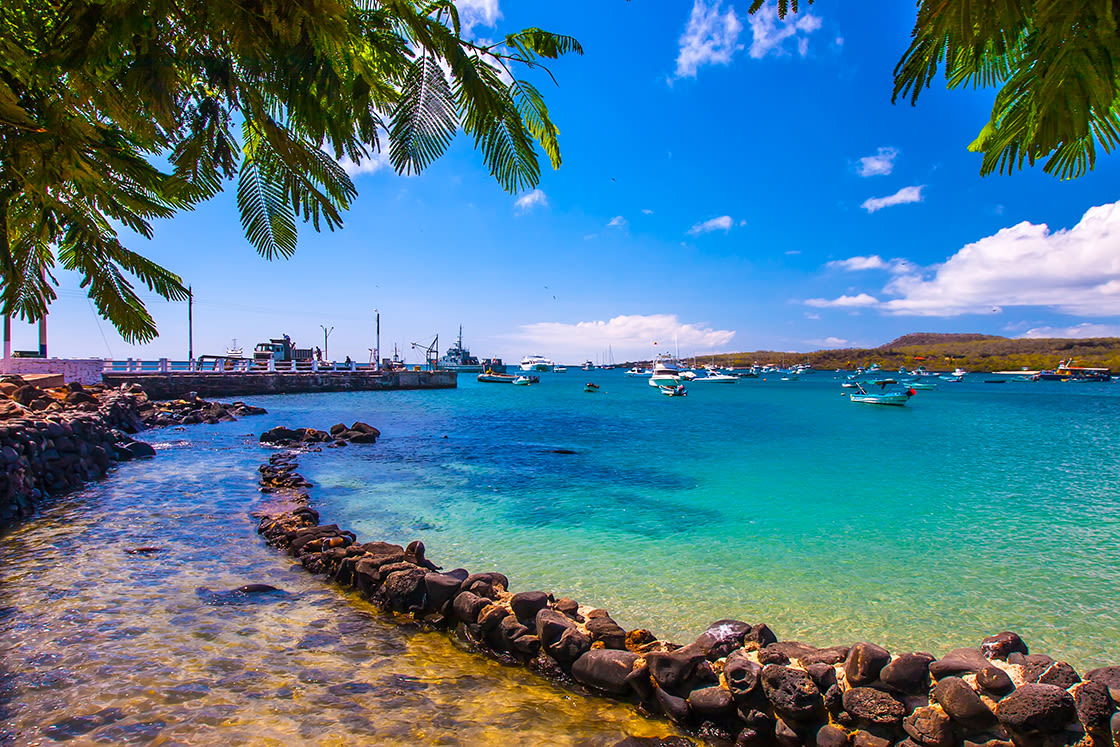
[977, 508]
[97, 646]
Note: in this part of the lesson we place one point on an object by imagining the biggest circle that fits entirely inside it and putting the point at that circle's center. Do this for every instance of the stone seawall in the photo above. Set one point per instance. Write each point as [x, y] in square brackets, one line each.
[736, 683]
[240, 384]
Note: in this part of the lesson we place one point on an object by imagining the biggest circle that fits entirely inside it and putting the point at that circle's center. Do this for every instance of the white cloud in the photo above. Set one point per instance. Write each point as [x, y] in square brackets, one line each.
[647, 211]
[722, 223]
[843, 302]
[873, 262]
[794, 251]
[1086, 329]
[901, 197]
[630, 336]
[770, 33]
[880, 164]
[828, 342]
[710, 38]
[1075, 271]
[377, 161]
[616, 222]
[530, 200]
[811, 315]
[477, 13]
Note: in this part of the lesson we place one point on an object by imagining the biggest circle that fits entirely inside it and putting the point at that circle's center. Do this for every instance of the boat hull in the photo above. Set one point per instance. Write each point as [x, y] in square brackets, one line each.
[895, 400]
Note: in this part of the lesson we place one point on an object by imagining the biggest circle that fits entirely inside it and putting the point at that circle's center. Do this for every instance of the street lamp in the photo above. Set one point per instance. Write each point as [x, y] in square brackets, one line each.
[326, 334]
[377, 358]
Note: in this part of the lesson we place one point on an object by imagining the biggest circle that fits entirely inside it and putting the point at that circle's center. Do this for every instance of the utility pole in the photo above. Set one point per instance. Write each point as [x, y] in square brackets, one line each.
[326, 334]
[190, 324]
[378, 343]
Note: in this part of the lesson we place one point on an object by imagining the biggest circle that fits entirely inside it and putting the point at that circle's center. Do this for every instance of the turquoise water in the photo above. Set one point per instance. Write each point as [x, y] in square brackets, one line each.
[977, 508]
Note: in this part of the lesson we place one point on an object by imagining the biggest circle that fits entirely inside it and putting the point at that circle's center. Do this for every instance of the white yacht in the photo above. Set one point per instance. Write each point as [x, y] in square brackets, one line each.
[537, 363]
[666, 372]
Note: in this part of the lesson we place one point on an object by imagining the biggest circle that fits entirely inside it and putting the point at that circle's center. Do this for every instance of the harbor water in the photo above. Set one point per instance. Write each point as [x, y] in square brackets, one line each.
[976, 508]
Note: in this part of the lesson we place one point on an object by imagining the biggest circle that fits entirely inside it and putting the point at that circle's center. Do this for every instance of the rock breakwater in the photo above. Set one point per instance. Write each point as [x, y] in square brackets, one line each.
[55, 440]
[736, 683]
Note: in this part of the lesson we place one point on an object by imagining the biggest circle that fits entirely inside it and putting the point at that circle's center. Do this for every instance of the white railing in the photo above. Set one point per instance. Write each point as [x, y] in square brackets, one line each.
[231, 366]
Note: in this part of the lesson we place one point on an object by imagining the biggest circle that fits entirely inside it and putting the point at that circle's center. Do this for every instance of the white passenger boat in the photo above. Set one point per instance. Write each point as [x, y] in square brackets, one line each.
[715, 378]
[537, 363]
[666, 372]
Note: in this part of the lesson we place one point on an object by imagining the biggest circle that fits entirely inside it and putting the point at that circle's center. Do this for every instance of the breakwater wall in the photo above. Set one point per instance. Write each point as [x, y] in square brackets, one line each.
[736, 683]
[233, 384]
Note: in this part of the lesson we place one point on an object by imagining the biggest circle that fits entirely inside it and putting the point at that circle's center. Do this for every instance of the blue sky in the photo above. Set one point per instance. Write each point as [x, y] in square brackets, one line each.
[729, 181]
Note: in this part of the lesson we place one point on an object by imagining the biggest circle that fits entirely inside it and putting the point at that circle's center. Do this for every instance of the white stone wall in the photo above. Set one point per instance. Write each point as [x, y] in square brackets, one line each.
[82, 370]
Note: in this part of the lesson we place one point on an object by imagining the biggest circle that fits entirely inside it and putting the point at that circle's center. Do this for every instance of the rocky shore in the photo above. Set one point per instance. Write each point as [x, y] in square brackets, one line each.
[736, 683]
[55, 440]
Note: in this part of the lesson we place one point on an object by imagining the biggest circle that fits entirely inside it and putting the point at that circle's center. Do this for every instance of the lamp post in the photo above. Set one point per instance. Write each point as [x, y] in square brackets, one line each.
[377, 358]
[326, 334]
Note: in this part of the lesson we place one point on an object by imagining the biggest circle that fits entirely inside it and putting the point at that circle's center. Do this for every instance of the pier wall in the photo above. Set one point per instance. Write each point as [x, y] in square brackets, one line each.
[81, 370]
[217, 384]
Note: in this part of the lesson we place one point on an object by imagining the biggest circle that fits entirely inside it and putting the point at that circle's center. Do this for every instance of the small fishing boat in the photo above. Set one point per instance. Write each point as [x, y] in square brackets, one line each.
[493, 378]
[952, 378]
[922, 385]
[525, 380]
[883, 397]
[560, 369]
[673, 391]
[638, 371]
[591, 387]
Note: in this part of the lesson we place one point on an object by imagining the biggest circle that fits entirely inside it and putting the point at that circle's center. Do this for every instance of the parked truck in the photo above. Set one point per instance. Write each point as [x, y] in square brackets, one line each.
[281, 349]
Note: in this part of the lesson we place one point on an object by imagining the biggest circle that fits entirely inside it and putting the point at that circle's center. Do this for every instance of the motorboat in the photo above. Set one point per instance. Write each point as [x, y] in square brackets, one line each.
[639, 371]
[588, 366]
[537, 363]
[882, 397]
[673, 391]
[715, 378]
[591, 387]
[921, 385]
[560, 369]
[666, 372]
[953, 378]
[524, 380]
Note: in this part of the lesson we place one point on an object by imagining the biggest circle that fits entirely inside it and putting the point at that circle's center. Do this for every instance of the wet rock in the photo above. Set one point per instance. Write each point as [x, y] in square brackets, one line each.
[527, 604]
[1001, 645]
[467, 606]
[786, 736]
[76, 726]
[240, 595]
[639, 639]
[509, 634]
[490, 616]
[604, 630]
[792, 693]
[721, 638]
[711, 702]
[864, 663]
[824, 675]
[962, 703]
[751, 737]
[959, 661]
[759, 637]
[441, 589]
[569, 608]
[994, 681]
[867, 739]
[140, 450]
[1115, 723]
[655, 742]
[671, 671]
[485, 584]
[142, 550]
[605, 669]
[1110, 677]
[930, 726]
[831, 736]
[560, 638]
[1036, 708]
[675, 708]
[873, 706]
[908, 674]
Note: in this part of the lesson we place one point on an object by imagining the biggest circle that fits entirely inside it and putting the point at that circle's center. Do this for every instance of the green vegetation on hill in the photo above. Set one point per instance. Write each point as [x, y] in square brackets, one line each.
[973, 352]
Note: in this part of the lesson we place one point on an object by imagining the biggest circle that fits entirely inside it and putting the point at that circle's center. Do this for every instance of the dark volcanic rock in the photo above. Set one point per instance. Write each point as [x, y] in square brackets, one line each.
[672, 670]
[527, 604]
[759, 637]
[1110, 676]
[995, 681]
[864, 662]
[605, 669]
[722, 637]
[962, 703]
[929, 726]
[1036, 708]
[908, 673]
[605, 630]
[792, 692]
[1045, 671]
[742, 674]
[468, 605]
[711, 702]
[958, 661]
[831, 736]
[560, 638]
[1094, 706]
[441, 588]
[873, 706]
[1001, 645]
[675, 708]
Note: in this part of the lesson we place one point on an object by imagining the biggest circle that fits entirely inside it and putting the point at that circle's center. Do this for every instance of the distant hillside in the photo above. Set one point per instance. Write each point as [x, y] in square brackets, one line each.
[973, 352]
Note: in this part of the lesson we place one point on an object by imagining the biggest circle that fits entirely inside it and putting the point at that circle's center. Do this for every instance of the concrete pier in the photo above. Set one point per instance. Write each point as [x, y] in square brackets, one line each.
[219, 384]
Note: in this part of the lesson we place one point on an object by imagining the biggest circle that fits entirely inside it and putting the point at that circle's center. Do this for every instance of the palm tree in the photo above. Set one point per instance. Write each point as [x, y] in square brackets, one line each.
[117, 112]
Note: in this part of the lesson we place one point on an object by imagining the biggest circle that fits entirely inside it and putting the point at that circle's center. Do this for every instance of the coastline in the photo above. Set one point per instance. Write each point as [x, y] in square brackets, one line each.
[737, 681]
